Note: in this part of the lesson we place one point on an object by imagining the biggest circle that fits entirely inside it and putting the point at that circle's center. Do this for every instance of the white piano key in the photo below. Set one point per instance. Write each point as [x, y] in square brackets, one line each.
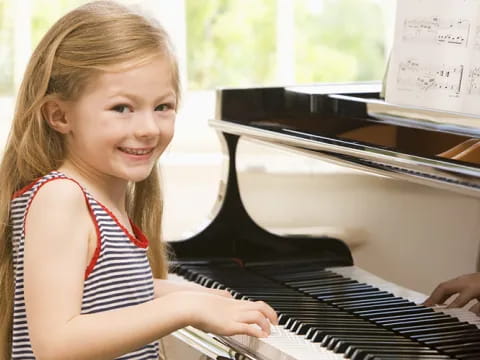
[282, 345]
[363, 276]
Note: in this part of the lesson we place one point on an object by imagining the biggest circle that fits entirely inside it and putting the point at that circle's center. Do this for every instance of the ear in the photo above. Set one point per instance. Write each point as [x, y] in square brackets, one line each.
[54, 111]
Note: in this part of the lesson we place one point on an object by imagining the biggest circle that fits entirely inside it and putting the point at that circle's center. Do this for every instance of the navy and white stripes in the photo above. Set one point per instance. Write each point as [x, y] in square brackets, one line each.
[119, 274]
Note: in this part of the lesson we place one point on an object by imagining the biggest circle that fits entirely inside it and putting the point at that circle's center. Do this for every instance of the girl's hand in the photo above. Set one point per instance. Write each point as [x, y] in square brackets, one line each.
[226, 316]
[466, 286]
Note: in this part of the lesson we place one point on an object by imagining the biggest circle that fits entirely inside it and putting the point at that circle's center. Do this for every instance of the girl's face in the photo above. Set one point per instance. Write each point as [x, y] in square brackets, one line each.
[122, 122]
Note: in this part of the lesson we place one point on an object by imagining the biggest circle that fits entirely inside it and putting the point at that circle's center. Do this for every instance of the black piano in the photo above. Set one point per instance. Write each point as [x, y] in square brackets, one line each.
[329, 308]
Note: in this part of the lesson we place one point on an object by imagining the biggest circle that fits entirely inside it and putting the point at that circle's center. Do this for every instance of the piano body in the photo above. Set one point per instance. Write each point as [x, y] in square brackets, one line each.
[329, 308]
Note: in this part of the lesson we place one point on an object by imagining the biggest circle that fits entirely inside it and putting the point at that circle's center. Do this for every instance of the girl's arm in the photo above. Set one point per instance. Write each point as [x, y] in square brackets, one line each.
[164, 287]
[57, 228]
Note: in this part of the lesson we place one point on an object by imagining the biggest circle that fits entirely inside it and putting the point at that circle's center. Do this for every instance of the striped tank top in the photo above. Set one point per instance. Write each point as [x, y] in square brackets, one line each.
[119, 274]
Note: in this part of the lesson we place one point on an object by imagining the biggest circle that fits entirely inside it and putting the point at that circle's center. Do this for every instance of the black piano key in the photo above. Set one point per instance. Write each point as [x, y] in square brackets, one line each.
[459, 339]
[321, 293]
[339, 344]
[460, 348]
[380, 305]
[362, 302]
[384, 318]
[284, 317]
[302, 276]
[293, 308]
[333, 339]
[317, 334]
[320, 320]
[316, 312]
[342, 345]
[450, 334]
[334, 325]
[413, 321]
[399, 310]
[301, 327]
[336, 299]
[360, 353]
[334, 288]
[319, 281]
[438, 329]
[304, 327]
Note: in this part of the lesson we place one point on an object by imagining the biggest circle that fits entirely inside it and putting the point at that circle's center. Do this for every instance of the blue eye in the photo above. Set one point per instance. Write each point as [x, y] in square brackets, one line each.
[122, 108]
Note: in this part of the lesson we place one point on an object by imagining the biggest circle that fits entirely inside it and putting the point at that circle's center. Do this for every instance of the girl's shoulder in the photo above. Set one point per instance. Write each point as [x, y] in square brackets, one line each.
[54, 190]
[32, 188]
[57, 202]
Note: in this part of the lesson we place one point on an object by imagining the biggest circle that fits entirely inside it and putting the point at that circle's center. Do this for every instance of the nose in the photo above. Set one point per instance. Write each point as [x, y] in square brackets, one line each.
[146, 125]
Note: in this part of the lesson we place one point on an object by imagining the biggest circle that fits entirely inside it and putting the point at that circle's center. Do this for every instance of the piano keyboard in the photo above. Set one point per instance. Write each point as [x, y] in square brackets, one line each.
[338, 313]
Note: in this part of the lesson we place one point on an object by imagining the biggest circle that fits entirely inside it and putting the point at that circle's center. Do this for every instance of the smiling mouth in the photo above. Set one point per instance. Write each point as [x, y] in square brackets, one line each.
[132, 151]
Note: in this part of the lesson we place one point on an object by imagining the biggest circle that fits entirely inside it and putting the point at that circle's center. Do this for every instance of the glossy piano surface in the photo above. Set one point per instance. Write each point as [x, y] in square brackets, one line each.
[232, 233]
[350, 124]
[330, 311]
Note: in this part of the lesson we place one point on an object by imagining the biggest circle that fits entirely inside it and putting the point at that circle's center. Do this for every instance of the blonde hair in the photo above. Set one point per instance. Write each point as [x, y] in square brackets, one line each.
[79, 46]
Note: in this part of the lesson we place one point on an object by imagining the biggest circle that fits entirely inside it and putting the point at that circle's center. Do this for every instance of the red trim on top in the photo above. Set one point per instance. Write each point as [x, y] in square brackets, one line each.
[61, 176]
[25, 189]
[31, 200]
[96, 253]
[139, 239]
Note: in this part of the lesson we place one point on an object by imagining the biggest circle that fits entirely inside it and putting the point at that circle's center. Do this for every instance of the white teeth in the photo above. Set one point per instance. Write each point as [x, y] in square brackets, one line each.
[135, 151]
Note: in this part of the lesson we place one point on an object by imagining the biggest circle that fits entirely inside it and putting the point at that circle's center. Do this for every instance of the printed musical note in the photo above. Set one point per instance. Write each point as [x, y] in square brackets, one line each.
[436, 30]
[474, 81]
[476, 44]
[435, 57]
[413, 76]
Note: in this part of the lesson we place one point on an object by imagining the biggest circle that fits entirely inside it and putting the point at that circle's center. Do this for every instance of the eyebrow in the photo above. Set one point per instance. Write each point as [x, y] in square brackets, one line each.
[139, 99]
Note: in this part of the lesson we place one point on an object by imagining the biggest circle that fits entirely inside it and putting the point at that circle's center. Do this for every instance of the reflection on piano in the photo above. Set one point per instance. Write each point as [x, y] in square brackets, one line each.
[329, 309]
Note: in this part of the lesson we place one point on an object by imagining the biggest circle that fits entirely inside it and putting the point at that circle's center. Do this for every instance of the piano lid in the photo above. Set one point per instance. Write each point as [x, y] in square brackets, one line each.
[351, 124]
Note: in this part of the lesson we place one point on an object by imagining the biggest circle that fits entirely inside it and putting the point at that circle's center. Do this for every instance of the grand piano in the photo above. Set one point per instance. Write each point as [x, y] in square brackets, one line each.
[329, 308]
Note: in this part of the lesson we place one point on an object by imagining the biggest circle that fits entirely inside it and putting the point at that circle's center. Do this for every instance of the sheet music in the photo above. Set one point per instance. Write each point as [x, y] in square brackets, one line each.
[435, 60]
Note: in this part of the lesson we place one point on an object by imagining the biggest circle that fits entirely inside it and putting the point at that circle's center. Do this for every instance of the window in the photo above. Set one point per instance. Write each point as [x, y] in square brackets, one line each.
[249, 42]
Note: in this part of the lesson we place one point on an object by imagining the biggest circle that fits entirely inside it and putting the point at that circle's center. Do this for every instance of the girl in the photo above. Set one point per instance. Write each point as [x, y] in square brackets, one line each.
[79, 184]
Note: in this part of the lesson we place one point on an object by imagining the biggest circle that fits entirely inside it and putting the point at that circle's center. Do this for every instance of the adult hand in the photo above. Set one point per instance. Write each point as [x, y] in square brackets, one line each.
[466, 286]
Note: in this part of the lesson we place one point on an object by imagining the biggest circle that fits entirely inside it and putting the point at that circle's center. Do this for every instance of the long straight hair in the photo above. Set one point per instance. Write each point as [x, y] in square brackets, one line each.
[88, 40]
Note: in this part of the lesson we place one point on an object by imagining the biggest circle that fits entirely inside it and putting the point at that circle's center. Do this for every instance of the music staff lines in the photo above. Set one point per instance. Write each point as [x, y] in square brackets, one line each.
[474, 81]
[476, 44]
[414, 76]
[438, 31]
